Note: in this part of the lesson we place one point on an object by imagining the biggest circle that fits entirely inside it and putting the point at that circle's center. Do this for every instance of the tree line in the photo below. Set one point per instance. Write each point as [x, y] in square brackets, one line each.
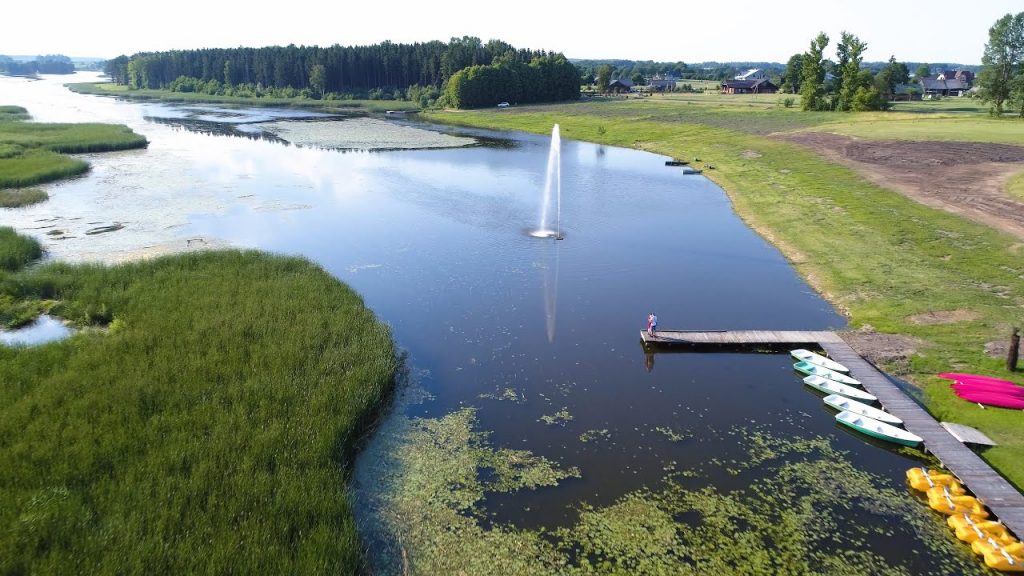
[845, 84]
[49, 64]
[544, 79]
[327, 72]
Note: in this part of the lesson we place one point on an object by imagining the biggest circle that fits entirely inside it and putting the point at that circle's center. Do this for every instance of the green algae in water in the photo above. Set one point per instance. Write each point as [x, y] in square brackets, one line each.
[595, 435]
[804, 510]
[561, 418]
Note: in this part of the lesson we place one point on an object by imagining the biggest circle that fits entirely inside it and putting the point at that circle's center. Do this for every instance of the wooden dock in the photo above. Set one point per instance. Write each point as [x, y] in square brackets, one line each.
[994, 490]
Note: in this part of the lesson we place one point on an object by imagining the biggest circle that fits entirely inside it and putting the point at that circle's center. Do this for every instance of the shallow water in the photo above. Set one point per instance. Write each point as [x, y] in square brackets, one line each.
[44, 329]
[539, 337]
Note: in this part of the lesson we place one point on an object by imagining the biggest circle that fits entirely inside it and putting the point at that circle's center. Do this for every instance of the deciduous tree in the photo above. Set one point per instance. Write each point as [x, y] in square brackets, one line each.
[1003, 60]
[812, 85]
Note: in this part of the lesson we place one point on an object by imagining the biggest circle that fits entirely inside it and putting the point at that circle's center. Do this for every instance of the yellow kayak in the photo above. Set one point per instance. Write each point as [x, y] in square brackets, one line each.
[922, 479]
[949, 505]
[1004, 561]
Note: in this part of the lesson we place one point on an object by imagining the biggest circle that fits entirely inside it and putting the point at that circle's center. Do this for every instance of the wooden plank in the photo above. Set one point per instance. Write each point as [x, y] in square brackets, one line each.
[998, 494]
[967, 435]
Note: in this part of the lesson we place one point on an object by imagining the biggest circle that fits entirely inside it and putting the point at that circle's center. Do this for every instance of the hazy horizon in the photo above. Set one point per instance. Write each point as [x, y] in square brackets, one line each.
[663, 31]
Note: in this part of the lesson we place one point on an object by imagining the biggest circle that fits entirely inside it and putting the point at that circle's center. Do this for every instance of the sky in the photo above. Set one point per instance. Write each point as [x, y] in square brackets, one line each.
[661, 30]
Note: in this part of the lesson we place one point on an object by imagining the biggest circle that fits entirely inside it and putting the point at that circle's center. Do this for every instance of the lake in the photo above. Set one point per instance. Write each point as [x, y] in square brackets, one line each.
[532, 415]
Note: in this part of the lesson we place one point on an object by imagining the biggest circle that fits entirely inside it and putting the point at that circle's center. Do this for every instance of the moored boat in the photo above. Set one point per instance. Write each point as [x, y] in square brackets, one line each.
[813, 358]
[815, 370]
[923, 479]
[840, 402]
[877, 429]
[832, 387]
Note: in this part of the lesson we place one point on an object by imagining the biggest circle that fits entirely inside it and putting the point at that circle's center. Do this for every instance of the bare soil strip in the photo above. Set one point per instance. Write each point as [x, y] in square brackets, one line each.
[964, 178]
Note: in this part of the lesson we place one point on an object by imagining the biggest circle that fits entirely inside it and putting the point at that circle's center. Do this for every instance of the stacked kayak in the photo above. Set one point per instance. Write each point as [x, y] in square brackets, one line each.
[987, 390]
[969, 520]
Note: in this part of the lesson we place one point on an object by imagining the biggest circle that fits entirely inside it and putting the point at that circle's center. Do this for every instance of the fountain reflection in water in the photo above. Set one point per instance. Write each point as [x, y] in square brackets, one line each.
[552, 188]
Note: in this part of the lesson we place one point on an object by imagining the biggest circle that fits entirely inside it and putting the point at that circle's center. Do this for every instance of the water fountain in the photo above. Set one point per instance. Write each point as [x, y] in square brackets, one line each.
[552, 186]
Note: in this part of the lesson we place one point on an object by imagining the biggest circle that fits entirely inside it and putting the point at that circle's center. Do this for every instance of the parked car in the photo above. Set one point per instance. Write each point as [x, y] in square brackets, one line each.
[503, 105]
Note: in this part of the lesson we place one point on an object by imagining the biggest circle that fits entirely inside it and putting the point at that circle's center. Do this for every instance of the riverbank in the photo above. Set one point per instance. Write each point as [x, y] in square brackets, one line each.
[946, 285]
[341, 106]
[203, 418]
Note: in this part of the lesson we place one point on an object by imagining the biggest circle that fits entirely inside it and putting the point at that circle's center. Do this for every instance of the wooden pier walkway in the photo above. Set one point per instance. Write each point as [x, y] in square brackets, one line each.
[994, 490]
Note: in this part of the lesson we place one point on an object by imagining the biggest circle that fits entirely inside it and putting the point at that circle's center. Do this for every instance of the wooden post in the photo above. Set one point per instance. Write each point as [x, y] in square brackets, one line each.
[1011, 354]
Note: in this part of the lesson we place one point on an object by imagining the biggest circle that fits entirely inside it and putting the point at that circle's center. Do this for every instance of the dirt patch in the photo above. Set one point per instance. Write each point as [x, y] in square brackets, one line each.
[892, 350]
[750, 154]
[942, 317]
[965, 178]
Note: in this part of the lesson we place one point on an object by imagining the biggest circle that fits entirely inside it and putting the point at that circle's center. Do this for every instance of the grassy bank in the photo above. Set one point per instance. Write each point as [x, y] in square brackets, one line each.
[120, 91]
[1015, 187]
[22, 197]
[202, 422]
[881, 258]
[33, 152]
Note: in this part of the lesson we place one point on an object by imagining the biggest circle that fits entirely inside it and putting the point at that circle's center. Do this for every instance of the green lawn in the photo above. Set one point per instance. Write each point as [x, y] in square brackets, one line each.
[876, 255]
[202, 421]
[962, 128]
[1015, 187]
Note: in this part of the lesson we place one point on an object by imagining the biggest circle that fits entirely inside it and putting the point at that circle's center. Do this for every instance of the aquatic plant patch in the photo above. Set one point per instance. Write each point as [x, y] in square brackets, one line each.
[803, 508]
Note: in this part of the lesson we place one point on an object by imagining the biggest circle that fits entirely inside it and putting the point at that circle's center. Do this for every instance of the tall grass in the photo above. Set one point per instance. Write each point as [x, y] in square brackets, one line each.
[875, 254]
[33, 167]
[120, 91]
[22, 197]
[16, 250]
[1015, 187]
[32, 152]
[13, 113]
[208, 429]
[71, 138]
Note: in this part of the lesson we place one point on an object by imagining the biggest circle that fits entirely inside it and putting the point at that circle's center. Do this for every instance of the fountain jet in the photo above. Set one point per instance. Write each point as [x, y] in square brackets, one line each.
[552, 188]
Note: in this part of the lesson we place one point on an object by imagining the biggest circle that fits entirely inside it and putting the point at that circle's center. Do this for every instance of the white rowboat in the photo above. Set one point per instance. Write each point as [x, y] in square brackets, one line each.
[808, 356]
[877, 429]
[840, 402]
[815, 370]
[832, 387]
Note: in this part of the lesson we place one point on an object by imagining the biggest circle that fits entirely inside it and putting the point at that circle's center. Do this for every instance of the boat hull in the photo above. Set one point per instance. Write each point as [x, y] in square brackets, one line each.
[808, 356]
[876, 429]
[840, 402]
[815, 370]
[832, 387]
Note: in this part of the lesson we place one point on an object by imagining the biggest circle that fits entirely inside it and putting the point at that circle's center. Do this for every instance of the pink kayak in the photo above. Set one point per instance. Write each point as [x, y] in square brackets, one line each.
[961, 377]
[982, 387]
[993, 399]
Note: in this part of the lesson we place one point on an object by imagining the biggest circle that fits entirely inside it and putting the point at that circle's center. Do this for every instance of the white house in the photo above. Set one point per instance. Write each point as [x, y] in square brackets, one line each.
[753, 74]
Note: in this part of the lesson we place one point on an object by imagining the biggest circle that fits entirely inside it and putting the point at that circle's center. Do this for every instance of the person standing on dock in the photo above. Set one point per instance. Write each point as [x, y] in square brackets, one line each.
[654, 323]
[650, 323]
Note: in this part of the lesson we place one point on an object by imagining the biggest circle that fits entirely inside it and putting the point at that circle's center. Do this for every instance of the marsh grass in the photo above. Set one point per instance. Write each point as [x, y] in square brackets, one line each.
[16, 250]
[876, 255]
[16, 198]
[205, 425]
[13, 113]
[120, 91]
[33, 152]
[33, 167]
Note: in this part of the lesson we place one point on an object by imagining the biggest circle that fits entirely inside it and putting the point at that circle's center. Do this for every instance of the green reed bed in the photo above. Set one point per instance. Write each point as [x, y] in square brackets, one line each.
[121, 91]
[204, 420]
[34, 153]
[16, 250]
[22, 197]
[878, 256]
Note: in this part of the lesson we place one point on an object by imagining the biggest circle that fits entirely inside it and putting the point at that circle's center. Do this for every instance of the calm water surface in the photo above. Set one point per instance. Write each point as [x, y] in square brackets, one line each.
[435, 241]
